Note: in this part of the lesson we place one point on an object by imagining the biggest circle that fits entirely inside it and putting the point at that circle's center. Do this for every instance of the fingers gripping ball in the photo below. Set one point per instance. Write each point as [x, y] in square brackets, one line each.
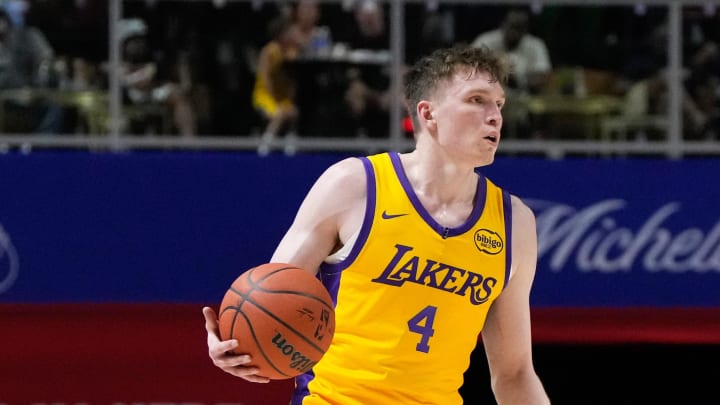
[282, 316]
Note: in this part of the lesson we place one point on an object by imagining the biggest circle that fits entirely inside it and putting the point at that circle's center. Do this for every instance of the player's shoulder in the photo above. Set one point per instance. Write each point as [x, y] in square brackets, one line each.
[346, 168]
[348, 174]
[522, 214]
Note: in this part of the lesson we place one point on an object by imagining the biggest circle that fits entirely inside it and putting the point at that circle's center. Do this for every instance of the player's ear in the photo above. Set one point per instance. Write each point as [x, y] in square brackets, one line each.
[425, 112]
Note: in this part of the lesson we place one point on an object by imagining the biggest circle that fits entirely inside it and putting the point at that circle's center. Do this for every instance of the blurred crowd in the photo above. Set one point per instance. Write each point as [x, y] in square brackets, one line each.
[304, 67]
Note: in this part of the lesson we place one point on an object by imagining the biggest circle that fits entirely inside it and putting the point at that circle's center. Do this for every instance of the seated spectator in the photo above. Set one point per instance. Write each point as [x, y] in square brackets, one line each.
[143, 83]
[26, 59]
[649, 97]
[368, 28]
[367, 98]
[703, 88]
[314, 39]
[648, 94]
[274, 91]
[84, 75]
[528, 54]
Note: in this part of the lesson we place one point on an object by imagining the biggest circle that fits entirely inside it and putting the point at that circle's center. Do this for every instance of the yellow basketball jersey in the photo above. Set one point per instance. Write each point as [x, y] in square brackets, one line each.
[411, 297]
[262, 98]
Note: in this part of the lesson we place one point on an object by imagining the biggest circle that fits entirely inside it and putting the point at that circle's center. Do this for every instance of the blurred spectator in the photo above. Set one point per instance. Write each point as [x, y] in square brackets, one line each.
[704, 94]
[528, 53]
[144, 85]
[26, 60]
[437, 30]
[647, 95]
[274, 91]
[314, 39]
[84, 75]
[647, 55]
[368, 28]
[702, 58]
[16, 10]
[366, 98]
[25, 55]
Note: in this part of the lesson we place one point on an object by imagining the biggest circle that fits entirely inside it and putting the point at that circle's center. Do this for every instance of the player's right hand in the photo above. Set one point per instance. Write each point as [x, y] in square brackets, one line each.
[219, 351]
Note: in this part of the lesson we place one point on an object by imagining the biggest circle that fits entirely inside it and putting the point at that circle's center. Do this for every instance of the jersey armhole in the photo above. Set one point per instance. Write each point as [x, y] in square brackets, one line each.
[507, 211]
[346, 255]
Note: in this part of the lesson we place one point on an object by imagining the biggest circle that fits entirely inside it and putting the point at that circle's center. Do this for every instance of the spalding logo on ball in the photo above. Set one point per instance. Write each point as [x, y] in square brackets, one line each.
[282, 316]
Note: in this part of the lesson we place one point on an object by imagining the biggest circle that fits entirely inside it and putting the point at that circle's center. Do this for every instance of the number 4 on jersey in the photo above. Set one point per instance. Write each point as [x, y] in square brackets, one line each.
[422, 323]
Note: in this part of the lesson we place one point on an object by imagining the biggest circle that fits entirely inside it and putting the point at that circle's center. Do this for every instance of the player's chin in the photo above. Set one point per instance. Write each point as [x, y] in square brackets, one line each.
[486, 157]
[485, 162]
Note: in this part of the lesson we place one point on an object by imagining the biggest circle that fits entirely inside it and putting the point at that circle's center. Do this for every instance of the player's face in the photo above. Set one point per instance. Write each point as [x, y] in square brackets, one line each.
[467, 110]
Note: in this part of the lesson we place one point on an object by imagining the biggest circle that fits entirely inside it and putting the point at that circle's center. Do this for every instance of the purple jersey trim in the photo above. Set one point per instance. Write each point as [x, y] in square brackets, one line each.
[330, 273]
[301, 390]
[507, 209]
[441, 230]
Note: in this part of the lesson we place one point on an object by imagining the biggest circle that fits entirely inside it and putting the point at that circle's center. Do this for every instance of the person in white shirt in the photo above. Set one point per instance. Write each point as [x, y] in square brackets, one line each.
[528, 53]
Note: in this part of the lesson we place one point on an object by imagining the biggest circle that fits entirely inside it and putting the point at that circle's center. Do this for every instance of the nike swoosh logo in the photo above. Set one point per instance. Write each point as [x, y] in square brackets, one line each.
[385, 215]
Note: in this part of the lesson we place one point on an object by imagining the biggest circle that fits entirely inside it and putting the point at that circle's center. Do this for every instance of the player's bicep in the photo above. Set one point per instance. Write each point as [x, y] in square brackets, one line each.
[314, 233]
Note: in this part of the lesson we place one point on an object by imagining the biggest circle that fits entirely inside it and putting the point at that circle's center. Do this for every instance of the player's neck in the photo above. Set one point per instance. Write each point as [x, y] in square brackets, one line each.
[439, 178]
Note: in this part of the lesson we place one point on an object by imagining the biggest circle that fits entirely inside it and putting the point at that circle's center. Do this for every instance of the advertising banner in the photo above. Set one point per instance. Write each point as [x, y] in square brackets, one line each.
[107, 258]
[179, 227]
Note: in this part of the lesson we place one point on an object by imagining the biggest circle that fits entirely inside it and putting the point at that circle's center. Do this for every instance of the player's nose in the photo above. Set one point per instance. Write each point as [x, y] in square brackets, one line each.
[494, 116]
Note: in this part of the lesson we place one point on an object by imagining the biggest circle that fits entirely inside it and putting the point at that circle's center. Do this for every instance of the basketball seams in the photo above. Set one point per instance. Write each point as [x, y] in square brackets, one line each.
[269, 274]
[289, 327]
[321, 300]
[257, 343]
[251, 329]
[256, 287]
[294, 321]
[255, 284]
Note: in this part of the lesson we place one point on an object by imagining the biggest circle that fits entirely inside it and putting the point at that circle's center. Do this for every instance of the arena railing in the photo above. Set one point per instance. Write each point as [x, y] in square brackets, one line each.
[115, 138]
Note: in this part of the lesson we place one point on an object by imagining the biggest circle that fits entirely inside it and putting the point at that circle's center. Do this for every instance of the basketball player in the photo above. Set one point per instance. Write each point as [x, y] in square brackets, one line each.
[421, 252]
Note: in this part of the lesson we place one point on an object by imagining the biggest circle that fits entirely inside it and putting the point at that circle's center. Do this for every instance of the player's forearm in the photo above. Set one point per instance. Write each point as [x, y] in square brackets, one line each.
[523, 389]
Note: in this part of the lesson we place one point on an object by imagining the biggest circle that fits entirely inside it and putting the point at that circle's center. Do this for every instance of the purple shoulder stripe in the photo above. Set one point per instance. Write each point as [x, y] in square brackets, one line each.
[507, 209]
[330, 272]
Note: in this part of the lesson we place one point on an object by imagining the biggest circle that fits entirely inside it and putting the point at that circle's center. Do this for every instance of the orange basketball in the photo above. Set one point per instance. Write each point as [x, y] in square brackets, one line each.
[282, 316]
